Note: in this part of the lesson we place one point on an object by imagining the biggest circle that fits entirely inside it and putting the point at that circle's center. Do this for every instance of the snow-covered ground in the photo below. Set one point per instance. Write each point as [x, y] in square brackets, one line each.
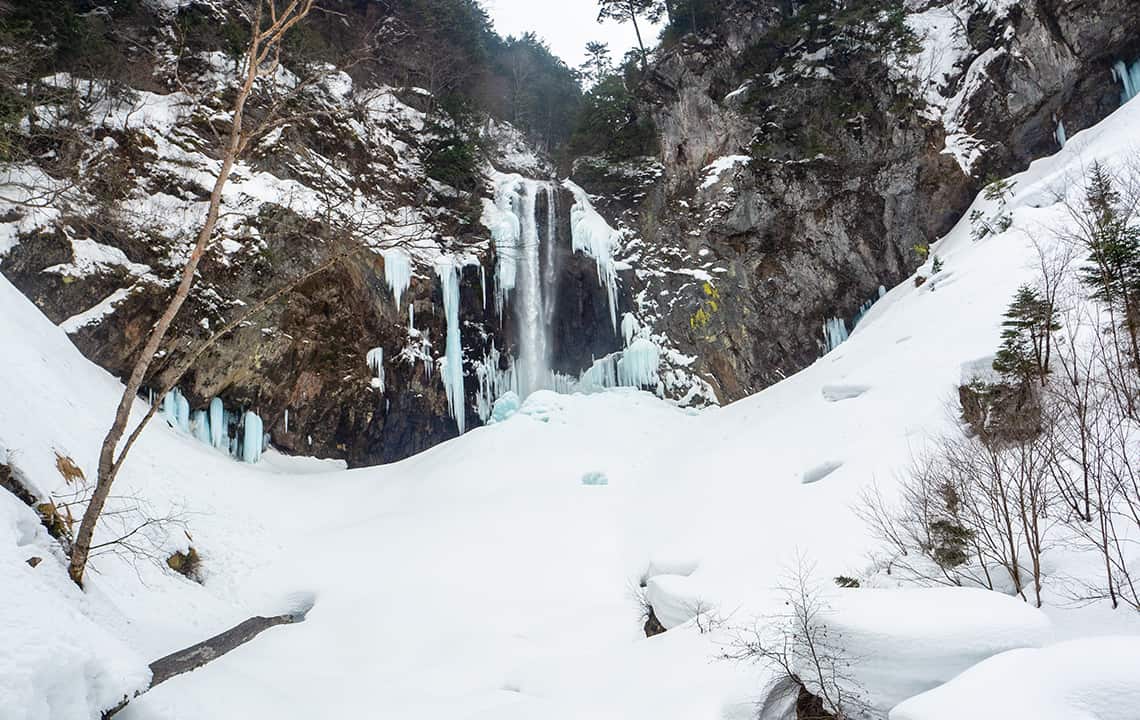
[494, 577]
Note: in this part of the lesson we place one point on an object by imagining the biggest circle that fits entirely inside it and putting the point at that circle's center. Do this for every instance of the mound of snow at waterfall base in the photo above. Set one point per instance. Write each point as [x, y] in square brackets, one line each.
[483, 578]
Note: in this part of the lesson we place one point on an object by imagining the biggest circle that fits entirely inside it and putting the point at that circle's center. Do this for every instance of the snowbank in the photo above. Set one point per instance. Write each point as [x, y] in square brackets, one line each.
[902, 642]
[56, 662]
[1087, 679]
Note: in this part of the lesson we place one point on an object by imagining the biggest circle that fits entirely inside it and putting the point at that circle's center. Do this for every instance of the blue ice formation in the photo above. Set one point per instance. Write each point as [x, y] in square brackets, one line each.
[834, 333]
[595, 479]
[1128, 74]
[507, 405]
[836, 330]
[212, 426]
[176, 408]
[252, 438]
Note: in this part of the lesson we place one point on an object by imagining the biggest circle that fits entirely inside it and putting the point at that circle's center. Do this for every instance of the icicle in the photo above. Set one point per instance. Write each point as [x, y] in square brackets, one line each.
[591, 235]
[448, 272]
[219, 425]
[629, 328]
[502, 218]
[1059, 134]
[834, 333]
[376, 363]
[286, 420]
[398, 272]
[637, 366]
[170, 408]
[483, 285]
[200, 424]
[252, 438]
[411, 317]
[882, 291]
[493, 382]
[176, 408]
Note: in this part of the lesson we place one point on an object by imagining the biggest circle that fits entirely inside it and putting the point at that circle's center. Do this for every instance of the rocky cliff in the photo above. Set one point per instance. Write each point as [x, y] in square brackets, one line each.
[804, 155]
[810, 152]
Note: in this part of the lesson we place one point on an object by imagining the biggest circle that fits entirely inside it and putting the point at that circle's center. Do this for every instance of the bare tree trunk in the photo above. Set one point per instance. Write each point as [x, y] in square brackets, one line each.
[196, 656]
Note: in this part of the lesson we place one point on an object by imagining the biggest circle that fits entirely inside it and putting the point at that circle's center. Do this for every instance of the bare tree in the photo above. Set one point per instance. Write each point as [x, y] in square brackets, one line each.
[804, 651]
[271, 21]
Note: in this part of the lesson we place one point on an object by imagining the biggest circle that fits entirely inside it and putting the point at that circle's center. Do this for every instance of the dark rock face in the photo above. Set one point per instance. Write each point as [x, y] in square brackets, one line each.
[1054, 66]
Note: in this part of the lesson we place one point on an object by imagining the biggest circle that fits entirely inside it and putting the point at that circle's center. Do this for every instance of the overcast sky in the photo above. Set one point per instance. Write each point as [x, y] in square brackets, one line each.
[565, 25]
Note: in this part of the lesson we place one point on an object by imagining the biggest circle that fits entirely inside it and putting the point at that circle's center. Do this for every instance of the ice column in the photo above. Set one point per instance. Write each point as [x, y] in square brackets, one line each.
[219, 425]
[252, 438]
[200, 422]
[448, 272]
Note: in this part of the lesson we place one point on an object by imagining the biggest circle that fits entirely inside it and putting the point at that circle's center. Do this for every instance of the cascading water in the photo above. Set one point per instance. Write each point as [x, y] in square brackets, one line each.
[525, 276]
[521, 274]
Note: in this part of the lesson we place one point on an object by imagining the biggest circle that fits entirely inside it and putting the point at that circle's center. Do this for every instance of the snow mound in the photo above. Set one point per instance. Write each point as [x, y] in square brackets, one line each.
[902, 642]
[675, 599]
[56, 662]
[1086, 679]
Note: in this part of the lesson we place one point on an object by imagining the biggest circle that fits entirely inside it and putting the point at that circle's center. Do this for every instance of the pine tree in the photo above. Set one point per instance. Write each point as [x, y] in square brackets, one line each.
[629, 11]
[1113, 270]
[1026, 339]
[598, 64]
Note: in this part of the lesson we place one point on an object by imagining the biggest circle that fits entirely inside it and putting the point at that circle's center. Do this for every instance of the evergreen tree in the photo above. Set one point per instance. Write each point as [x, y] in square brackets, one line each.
[1113, 243]
[1026, 339]
[625, 11]
[598, 64]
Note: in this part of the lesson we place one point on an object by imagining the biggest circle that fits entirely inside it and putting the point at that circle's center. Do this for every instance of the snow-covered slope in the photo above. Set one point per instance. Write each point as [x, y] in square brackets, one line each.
[493, 577]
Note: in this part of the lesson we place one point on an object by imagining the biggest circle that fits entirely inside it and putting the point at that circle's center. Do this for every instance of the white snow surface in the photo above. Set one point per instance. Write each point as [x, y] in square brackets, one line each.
[1085, 679]
[482, 579]
[902, 642]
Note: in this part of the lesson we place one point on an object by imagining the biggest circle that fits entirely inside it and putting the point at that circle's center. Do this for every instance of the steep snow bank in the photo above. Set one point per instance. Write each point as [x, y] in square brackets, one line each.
[900, 643]
[1089, 679]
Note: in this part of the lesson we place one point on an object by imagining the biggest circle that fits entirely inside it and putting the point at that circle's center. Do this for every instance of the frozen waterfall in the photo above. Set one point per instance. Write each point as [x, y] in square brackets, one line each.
[523, 221]
[524, 270]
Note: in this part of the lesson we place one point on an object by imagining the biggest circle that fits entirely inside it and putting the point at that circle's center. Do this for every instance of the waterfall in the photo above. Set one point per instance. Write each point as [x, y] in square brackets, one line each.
[530, 308]
[525, 276]
[521, 274]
